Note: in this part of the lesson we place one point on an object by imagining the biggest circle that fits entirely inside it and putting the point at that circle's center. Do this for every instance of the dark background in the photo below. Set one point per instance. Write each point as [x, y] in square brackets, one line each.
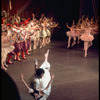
[61, 10]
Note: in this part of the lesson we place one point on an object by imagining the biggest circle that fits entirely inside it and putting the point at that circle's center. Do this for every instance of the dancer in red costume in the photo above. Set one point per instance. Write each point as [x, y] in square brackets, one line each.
[17, 44]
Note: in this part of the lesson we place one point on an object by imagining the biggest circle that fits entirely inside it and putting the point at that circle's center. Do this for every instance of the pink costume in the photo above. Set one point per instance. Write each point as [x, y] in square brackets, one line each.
[72, 33]
[87, 36]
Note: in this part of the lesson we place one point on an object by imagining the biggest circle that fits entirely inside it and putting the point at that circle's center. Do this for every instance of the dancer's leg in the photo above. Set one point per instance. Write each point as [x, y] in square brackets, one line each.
[69, 38]
[2, 66]
[46, 64]
[78, 40]
[44, 41]
[46, 55]
[85, 48]
[34, 47]
[74, 41]
[17, 57]
[5, 63]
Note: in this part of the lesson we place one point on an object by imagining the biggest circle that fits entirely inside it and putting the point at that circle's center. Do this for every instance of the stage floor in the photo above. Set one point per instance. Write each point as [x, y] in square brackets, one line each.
[76, 77]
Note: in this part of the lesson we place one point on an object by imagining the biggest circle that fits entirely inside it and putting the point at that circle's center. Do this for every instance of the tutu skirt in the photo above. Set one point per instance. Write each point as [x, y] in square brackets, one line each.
[85, 37]
[48, 32]
[44, 33]
[72, 34]
[38, 34]
[32, 38]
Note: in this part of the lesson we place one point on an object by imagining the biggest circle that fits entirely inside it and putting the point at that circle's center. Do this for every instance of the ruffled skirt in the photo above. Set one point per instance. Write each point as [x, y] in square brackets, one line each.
[32, 38]
[85, 37]
[48, 32]
[72, 34]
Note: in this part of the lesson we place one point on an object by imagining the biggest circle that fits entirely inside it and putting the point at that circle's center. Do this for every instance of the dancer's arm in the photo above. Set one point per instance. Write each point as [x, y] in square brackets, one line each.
[52, 77]
[67, 25]
[45, 90]
[26, 84]
[83, 17]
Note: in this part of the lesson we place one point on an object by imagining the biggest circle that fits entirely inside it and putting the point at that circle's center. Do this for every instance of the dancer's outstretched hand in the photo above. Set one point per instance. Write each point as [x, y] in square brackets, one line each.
[36, 62]
[52, 76]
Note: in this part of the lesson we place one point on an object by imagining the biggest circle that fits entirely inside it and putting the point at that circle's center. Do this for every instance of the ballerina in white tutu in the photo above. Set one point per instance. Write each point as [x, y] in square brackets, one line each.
[72, 34]
[87, 38]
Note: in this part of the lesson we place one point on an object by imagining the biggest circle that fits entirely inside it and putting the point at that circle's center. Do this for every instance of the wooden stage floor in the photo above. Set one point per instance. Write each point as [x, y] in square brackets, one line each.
[76, 77]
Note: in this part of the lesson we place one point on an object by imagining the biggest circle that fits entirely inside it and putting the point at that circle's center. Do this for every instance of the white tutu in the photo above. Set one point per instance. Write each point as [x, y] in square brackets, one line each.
[32, 37]
[44, 33]
[85, 37]
[48, 32]
[72, 34]
[38, 34]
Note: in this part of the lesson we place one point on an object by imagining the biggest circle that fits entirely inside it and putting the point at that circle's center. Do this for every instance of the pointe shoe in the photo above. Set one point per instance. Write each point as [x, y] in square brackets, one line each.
[48, 51]
[4, 68]
[85, 55]
[9, 62]
[44, 45]
[34, 48]
[18, 59]
[6, 65]
[14, 59]
[24, 58]
[41, 46]
[73, 44]
[23, 55]
[46, 54]
[28, 53]
[68, 46]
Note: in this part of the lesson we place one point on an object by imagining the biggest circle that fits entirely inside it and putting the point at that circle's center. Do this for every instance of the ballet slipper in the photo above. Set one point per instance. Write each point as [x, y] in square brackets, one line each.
[85, 55]
[5, 64]
[14, 59]
[4, 68]
[40, 46]
[9, 62]
[23, 56]
[27, 52]
[46, 54]
[73, 44]
[34, 48]
[18, 59]
[68, 46]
